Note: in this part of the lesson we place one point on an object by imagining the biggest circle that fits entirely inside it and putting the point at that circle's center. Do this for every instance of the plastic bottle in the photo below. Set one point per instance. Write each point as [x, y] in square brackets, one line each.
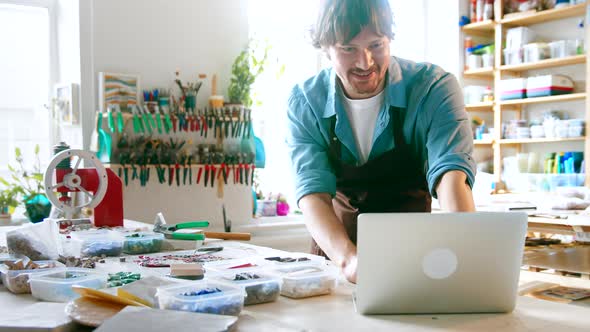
[473, 11]
[479, 10]
[488, 10]
[468, 45]
[488, 94]
[580, 49]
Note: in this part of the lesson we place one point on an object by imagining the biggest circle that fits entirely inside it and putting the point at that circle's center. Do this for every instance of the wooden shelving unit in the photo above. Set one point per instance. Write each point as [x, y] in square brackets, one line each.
[480, 28]
[483, 73]
[496, 31]
[485, 107]
[540, 140]
[544, 16]
[548, 63]
[549, 99]
[483, 142]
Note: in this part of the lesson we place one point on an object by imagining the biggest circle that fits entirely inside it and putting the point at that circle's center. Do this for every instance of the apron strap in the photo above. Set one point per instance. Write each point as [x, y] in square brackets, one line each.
[335, 149]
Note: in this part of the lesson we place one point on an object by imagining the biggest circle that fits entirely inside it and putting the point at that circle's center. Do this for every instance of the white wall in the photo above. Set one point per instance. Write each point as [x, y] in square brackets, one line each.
[153, 38]
[428, 30]
[409, 28]
[443, 40]
[68, 49]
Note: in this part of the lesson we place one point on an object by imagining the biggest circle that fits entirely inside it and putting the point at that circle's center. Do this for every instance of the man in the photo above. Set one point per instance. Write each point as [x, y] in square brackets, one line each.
[374, 133]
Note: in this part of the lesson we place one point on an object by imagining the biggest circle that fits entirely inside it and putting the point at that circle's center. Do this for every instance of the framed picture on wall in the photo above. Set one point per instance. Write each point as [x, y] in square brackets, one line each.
[66, 102]
[118, 89]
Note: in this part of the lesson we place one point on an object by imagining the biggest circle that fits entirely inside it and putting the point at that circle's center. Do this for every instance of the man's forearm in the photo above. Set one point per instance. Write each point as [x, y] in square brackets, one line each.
[454, 194]
[327, 231]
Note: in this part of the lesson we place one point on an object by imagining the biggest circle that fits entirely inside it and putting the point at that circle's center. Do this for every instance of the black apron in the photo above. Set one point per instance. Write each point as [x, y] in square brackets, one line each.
[392, 182]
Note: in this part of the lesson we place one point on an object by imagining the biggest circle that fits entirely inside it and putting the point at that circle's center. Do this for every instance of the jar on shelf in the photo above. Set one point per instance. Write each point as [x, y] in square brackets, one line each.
[488, 94]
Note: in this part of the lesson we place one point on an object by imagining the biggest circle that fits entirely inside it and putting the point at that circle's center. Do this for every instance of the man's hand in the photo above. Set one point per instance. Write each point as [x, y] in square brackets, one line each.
[349, 269]
[329, 233]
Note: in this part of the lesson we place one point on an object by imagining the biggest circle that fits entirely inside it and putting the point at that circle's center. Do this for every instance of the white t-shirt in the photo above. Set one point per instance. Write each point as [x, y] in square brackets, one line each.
[362, 114]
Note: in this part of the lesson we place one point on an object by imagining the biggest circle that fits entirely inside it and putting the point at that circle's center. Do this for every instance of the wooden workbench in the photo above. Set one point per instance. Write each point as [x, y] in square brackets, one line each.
[336, 312]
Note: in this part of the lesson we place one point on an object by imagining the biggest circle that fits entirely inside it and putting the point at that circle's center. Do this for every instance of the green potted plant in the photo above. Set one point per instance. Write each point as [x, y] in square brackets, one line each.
[8, 200]
[247, 66]
[29, 185]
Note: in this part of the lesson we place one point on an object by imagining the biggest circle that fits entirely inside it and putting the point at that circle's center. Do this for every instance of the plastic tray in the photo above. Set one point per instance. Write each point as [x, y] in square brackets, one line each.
[56, 285]
[17, 281]
[300, 281]
[143, 243]
[229, 301]
[236, 265]
[98, 242]
[259, 285]
[527, 182]
[296, 258]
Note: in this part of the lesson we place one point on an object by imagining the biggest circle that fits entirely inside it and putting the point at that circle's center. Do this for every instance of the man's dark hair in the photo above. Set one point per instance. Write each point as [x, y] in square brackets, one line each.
[339, 21]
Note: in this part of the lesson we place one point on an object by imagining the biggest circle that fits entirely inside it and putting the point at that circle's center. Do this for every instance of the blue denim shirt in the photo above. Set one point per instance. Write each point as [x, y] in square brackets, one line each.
[436, 126]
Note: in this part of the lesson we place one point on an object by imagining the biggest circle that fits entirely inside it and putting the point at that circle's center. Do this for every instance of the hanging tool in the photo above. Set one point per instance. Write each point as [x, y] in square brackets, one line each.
[190, 169]
[167, 121]
[247, 171]
[137, 124]
[199, 174]
[226, 222]
[158, 119]
[183, 161]
[104, 141]
[120, 121]
[203, 125]
[110, 118]
[207, 168]
[146, 119]
[213, 170]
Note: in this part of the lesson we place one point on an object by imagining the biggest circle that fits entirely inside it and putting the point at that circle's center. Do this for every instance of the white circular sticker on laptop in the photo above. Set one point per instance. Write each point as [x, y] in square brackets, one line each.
[439, 263]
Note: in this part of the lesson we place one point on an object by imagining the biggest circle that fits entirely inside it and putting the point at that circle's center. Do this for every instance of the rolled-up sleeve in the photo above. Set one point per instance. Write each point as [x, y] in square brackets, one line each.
[449, 140]
[308, 149]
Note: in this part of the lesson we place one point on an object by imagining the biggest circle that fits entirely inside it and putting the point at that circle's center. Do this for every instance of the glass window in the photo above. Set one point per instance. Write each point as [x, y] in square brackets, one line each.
[24, 82]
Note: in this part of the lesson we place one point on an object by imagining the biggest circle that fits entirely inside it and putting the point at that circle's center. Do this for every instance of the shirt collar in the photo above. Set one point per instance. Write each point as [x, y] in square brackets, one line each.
[396, 89]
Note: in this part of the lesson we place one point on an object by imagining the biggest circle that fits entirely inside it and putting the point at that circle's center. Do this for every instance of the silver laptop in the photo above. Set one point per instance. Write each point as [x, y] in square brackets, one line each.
[411, 263]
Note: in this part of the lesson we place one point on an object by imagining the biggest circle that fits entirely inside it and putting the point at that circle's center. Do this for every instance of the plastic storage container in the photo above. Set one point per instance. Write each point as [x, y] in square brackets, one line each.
[17, 281]
[513, 88]
[56, 285]
[576, 127]
[234, 265]
[487, 60]
[143, 243]
[513, 56]
[518, 37]
[473, 94]
[5, 257]
[260, 286]
[98, 242]
[296, 258]
[536, 52]
[228, 300]
[562, 48]
[527, 182]
[306, 280]
[548, 85]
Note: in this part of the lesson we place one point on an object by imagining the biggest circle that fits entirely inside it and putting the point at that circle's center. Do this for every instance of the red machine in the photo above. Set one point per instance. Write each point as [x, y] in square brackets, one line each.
[102, 188]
